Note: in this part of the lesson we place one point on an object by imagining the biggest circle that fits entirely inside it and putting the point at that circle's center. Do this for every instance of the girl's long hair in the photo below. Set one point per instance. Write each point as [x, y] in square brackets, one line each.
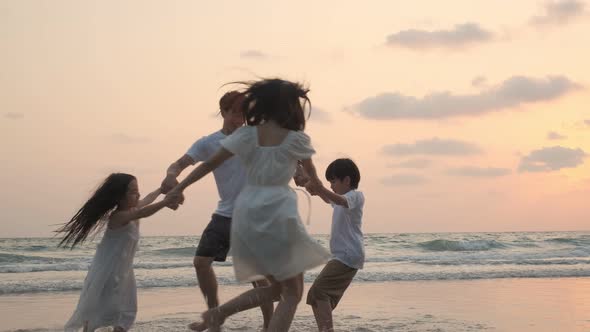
[92, 214]
[275, 99]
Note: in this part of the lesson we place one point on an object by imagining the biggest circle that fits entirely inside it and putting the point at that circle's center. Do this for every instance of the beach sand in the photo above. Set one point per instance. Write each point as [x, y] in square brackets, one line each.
[509, 305]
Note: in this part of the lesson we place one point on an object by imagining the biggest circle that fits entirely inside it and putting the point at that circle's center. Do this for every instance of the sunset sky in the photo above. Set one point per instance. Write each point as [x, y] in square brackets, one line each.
[462, 115]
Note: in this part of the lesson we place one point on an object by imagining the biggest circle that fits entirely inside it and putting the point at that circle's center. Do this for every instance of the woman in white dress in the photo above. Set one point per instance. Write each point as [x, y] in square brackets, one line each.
[109, 295]
[268, 239]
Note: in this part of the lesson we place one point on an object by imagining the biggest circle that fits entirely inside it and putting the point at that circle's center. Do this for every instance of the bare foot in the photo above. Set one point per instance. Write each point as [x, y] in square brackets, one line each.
[212, 319]
[197, 326]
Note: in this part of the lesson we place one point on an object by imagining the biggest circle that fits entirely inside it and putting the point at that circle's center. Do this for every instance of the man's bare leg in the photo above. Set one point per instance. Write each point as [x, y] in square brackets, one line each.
[207, 280]
[207, 283]
[322, 311]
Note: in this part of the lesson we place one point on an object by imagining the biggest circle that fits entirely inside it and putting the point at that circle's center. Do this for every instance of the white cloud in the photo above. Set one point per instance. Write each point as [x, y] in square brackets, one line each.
[434, 146]
[478, 81]
[513, 92]
[555, 136]
[403, 180]
[460, 36]
[413, 163]
[253, 54]
[559, 13]
[126, 139]
[320, 115]
[486, 172]
[552, 159]
[14, 115]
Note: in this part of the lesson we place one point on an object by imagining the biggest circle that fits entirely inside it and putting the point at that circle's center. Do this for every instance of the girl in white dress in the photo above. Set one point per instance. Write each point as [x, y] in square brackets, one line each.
[267, 239]
[109, 296]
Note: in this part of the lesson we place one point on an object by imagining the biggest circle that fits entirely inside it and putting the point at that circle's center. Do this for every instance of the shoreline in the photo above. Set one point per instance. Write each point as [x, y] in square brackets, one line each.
[510, 304]
[365, 233]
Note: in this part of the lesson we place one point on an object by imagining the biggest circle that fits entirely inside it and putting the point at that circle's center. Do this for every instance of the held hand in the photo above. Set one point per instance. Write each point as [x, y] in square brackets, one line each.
[312, 187]
[175, 197]
[300, 176]
[173, 206]
[170, 202]
[168, 183]
[181, 199]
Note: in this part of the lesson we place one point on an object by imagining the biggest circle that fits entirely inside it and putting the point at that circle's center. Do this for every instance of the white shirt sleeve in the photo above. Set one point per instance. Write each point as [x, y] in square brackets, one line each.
[354, 199]
[198, 151]
[300, 146]
[240, 141]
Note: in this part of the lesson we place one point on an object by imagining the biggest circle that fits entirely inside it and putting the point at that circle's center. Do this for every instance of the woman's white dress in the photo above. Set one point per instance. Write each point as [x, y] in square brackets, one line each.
[267, 235]
[109, 296]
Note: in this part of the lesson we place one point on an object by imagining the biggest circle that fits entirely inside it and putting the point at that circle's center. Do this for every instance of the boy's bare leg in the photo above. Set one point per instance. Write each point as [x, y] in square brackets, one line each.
[322, 310]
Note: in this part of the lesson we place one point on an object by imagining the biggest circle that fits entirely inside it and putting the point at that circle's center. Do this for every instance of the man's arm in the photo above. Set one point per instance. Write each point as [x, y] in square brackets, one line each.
[176, 193]
[203, 169]
[174, 171]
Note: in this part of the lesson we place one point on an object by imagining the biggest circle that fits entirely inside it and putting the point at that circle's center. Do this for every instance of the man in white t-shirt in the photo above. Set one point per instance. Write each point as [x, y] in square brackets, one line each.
[346, 239]
[230, 178]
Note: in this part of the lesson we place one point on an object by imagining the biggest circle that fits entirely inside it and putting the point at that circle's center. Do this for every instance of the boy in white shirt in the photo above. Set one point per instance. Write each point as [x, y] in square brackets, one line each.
[346, 239]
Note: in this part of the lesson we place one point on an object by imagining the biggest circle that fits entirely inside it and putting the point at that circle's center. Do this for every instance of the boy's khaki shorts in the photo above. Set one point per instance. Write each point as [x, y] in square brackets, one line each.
[331, 283]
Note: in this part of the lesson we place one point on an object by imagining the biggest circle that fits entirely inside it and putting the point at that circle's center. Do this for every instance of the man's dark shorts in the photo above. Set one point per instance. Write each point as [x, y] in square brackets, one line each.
[215, 239]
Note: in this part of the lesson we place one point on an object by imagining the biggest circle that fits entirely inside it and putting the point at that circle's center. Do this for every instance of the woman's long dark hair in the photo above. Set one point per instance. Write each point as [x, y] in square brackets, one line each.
[275, 99]
[92, 214]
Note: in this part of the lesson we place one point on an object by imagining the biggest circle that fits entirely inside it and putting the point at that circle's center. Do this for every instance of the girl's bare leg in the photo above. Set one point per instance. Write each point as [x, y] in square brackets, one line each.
[214, 318]
[291, 293]
[267, 307]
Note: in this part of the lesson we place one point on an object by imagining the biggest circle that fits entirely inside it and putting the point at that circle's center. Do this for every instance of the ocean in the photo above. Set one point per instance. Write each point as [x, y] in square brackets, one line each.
[33, 265]
[416, 281]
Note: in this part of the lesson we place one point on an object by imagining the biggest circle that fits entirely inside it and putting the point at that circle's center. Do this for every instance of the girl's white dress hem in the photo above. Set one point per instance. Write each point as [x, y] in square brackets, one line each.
[267, 235]
[109, 294]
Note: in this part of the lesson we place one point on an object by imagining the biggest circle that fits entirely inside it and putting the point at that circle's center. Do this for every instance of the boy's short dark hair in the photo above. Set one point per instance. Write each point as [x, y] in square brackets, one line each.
[341, 168]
